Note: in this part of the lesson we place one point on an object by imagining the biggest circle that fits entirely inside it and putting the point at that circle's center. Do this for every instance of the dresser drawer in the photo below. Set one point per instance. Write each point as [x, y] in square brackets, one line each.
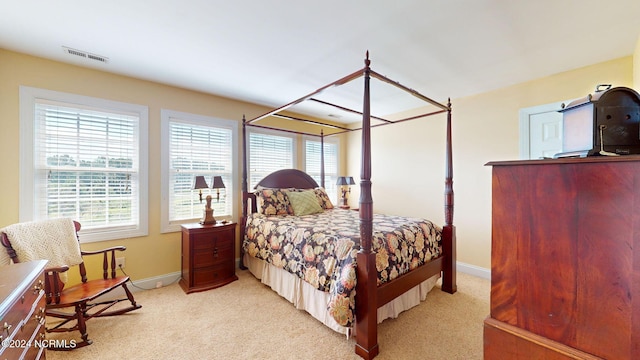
[22, 308]
[22, 311]
[28, 341]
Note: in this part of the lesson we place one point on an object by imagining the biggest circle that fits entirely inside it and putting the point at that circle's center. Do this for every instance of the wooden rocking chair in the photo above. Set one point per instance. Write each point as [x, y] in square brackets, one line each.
[81, 297]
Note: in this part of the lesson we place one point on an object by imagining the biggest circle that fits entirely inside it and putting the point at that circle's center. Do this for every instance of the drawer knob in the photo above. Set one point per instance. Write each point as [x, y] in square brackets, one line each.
[41, 316]
[37, 287]
[7, 326]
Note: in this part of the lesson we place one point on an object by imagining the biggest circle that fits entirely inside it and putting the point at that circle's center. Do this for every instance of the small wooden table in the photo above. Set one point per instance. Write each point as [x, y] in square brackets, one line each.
[208, 256]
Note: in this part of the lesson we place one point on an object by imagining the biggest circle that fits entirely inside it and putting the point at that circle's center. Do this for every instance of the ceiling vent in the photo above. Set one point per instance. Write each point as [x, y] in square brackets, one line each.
[84, 54]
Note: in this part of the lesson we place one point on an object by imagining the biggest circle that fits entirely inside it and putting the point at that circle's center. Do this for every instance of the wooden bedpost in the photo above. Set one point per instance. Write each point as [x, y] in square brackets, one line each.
[322, 158]
[449, 230]
[244, 190]
[366, 306]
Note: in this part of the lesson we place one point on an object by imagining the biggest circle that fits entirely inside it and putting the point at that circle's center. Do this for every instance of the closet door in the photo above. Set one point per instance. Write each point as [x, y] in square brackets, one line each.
[540, 131]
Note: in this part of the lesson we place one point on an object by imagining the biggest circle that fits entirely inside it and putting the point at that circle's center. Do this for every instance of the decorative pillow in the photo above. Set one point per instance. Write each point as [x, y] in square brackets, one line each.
[273, 202]
[304, 202]
[323, 198]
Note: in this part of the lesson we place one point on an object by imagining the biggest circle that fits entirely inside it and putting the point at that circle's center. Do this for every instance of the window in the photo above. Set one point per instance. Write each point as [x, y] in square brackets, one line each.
[196, 145]
[269, 152]
[313, 161]
[86, 159]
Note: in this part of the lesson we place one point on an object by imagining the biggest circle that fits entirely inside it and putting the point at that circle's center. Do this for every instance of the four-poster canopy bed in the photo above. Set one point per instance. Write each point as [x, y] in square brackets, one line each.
[415, 251]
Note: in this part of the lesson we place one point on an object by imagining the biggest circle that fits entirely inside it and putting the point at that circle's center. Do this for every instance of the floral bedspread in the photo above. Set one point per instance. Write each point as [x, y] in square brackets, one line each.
[321, 249]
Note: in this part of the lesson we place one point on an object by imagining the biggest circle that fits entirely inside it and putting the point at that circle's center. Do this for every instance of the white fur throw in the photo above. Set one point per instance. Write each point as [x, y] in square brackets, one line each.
[54, 240]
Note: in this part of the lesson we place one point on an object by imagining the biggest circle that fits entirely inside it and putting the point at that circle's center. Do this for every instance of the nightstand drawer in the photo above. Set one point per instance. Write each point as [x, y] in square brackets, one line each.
[213, 274]
[212, 256]
[209, 241]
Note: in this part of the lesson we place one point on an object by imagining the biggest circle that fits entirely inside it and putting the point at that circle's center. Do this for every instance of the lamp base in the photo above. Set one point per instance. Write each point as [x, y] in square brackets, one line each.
[207, 214]
[345, 201]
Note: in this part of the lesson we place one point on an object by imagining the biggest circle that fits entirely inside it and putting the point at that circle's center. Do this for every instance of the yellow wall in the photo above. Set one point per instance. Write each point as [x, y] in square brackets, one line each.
[153, 255]
[408, 160]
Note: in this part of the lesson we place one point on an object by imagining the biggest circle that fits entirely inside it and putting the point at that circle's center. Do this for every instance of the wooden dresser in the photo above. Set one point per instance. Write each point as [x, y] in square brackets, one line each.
[22, 311]
[565, 261]
[208, 256]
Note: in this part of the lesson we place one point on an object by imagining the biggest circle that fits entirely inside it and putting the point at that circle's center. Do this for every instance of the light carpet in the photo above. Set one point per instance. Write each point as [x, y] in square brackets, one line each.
[247, 320]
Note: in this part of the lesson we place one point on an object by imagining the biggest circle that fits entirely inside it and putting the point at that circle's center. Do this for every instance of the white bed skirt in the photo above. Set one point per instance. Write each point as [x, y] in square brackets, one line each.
[305, 297]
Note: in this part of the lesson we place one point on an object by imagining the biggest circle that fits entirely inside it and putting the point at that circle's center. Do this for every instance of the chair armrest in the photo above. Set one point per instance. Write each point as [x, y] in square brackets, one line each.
[58, 269]
[53, 285]
[113, 248]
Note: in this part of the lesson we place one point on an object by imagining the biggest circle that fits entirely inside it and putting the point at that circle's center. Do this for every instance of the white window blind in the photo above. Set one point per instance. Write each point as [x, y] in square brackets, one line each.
[268, 153]
[196, 145]
[84, 158]
[313, 161]
[199, 150]
[87, 165]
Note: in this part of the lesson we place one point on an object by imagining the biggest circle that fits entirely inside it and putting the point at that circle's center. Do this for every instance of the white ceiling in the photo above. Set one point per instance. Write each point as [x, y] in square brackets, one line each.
[273, 52]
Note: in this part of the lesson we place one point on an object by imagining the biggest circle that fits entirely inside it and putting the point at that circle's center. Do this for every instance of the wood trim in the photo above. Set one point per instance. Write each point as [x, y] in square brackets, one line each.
[408, 90]
[322, 159]
[392, 289]
[497, 333]
[288, 178]
[283, 130]
[367, 275]
[245, 193]
[588, 159]
[342, 81]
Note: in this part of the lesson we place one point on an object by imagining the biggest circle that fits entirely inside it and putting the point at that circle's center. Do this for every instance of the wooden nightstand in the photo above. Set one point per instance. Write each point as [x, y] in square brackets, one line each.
[208, 256]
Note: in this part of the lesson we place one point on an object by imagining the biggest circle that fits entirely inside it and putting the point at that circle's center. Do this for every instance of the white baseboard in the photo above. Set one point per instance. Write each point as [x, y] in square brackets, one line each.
[170, 278]
[473, 270]
[155, 281]
[144, 284]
